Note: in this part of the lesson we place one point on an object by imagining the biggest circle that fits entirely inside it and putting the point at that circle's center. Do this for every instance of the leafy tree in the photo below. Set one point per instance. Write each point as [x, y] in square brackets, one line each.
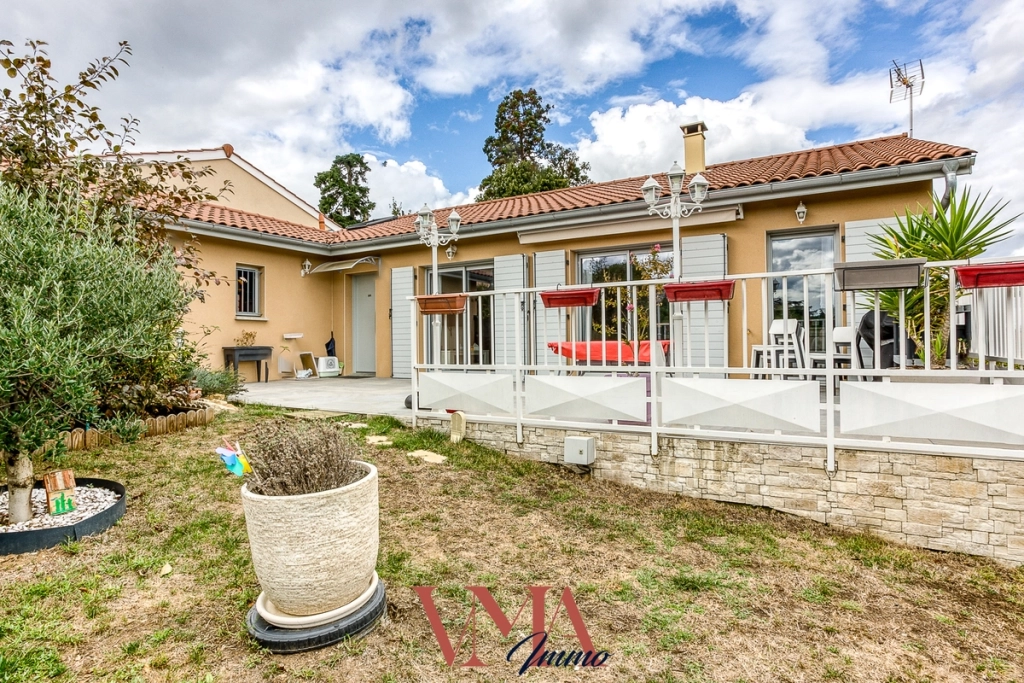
[619, 301]
[523, 161]
[521, 177]
[50, 136]
[396, 208]
[344, 195]
[77, 306]
[965, 231]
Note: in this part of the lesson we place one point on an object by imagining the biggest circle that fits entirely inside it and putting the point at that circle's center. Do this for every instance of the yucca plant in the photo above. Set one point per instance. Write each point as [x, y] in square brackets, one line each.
[965, 230]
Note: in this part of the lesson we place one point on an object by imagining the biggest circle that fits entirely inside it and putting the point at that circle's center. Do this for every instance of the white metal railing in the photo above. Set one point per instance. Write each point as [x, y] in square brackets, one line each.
[508, 359]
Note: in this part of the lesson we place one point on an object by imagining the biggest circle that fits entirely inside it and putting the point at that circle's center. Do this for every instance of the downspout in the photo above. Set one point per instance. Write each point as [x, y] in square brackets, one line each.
[949, 169]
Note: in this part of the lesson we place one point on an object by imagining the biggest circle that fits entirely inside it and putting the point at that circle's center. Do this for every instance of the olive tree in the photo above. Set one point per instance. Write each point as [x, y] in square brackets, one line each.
[76, 302]
[51, 136]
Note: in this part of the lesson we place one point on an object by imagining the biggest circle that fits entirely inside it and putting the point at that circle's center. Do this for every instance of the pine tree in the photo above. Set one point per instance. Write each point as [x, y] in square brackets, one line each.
[344, 194]
[522, 159]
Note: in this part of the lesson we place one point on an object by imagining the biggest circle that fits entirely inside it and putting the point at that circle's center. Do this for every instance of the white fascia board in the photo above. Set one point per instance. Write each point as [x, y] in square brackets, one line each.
[852, 180]
[191, 155]
[586, 229]
[282, 190]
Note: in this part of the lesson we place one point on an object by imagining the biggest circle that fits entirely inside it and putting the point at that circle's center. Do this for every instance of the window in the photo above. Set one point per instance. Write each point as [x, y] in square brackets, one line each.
[617, 320]
[248, 299]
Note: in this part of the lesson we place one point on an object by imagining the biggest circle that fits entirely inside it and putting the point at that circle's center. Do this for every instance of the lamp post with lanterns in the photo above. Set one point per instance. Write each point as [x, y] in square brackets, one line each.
[675, 208]
[431, 236]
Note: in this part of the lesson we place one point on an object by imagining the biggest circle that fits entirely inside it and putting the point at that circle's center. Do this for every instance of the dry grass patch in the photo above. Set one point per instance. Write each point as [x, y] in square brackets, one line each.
[676, 589]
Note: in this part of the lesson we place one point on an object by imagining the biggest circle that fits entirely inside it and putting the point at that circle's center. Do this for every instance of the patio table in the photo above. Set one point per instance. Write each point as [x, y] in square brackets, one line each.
[233, 355]
[600, 352]
[608, 351]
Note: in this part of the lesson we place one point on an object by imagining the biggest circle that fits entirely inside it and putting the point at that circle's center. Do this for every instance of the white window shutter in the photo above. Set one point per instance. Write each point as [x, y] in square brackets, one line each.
[509, 274]
[704, 257]
[401, 322]
[548, 273]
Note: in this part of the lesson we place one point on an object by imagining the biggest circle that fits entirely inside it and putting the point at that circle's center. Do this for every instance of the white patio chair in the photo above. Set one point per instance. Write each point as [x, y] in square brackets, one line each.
[845, 353]
[788, 347]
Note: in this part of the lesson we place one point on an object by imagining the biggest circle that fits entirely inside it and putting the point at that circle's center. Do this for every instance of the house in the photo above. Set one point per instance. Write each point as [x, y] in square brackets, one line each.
[302, 275]
[931, 456]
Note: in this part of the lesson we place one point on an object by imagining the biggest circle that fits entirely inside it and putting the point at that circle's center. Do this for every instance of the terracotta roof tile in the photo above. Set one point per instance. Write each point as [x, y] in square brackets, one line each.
[810, 163]
[234, 218]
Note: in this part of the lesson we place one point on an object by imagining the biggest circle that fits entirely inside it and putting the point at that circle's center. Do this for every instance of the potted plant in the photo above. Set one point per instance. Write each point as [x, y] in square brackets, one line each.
[311, 512]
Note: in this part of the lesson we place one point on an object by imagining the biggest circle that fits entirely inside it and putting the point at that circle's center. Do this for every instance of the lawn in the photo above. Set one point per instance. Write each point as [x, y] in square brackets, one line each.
[675, 589]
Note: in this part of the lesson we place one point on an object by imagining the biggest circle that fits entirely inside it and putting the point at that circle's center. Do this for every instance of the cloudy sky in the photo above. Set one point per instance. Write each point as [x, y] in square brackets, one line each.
[413, 84]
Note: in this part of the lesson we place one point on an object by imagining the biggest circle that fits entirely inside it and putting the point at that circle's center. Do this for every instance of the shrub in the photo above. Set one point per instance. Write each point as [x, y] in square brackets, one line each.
[127, 428]
[77, 304]
[292, 457]
[217, 382]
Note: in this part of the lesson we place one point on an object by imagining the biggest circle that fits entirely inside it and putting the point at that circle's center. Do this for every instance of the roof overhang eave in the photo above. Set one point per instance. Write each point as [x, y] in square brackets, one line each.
[228, 232]
[852, 180]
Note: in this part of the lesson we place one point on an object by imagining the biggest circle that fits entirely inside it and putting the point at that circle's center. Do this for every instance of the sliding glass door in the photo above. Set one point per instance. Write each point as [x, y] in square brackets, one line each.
[468, 336]
[804, 296]
[620, 316]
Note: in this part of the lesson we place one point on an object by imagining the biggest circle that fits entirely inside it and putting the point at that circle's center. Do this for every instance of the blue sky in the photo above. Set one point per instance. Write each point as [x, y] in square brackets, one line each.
[416, 82]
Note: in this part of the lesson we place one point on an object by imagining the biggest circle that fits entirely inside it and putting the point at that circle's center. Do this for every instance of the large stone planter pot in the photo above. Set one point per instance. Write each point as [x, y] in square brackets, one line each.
[315, 552]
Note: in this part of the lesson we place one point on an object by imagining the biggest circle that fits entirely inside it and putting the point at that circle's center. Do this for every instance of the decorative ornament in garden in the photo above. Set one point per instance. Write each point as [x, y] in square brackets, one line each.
[234, 459]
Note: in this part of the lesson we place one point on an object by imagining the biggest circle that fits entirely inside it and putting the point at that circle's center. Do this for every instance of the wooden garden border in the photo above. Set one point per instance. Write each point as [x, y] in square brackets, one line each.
[81, 439]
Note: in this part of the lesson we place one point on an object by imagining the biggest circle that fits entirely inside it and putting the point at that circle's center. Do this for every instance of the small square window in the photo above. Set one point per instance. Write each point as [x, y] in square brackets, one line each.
[248, 289]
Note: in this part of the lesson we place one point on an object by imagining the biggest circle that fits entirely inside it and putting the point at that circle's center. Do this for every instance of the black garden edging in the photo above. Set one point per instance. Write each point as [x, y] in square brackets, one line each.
[282, 641]
[39, 539]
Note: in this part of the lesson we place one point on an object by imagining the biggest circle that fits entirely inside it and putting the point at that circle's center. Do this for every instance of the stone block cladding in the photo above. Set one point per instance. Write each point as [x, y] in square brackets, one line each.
[951, 503]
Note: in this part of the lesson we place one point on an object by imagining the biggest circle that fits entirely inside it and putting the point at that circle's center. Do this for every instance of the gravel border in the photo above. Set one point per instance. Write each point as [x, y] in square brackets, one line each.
[90, 501]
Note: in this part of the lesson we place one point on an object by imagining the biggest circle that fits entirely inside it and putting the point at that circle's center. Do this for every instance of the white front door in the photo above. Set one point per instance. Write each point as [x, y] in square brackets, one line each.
[364, 324]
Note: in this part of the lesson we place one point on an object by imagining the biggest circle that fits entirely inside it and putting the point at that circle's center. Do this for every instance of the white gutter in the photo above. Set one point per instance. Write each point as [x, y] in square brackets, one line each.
[227, 232]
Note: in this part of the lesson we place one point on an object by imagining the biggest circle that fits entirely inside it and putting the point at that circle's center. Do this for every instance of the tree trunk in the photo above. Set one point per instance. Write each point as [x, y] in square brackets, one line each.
[20, 480]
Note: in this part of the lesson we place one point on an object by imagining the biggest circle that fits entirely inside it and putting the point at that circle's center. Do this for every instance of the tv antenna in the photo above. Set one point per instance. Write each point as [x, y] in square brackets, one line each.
[905, 82]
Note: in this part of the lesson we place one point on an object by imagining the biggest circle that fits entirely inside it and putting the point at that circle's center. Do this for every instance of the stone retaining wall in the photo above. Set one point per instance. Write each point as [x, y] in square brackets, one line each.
[963, 504]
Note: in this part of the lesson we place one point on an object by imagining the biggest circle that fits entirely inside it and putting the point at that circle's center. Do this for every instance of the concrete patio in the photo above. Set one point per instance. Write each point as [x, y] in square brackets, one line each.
[367, 395]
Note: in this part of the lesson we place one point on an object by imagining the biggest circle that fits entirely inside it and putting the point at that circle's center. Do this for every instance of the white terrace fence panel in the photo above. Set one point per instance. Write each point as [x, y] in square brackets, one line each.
[623, 357]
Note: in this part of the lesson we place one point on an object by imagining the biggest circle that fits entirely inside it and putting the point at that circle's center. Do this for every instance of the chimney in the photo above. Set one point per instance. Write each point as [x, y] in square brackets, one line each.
[693, 147]
[323, 223]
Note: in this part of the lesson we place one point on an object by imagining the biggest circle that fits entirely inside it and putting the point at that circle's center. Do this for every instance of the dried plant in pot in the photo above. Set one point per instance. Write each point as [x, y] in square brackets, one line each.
[311, 512]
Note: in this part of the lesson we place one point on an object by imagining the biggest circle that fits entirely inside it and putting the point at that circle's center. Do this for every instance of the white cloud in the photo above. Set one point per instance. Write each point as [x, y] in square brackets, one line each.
[468, 115]
[974, 96]
[411, 185]
[286, 83]
[370, 96]
[646, 138]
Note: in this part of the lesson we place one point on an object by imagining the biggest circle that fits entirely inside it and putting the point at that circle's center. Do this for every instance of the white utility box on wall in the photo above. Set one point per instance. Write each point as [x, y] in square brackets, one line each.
[579, 450]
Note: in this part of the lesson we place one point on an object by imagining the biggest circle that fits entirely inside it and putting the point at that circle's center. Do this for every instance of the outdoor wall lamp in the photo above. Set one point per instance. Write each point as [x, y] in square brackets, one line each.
[426, 226]
[451, 251]
[675, 208]
[306, 267]
[801, 213]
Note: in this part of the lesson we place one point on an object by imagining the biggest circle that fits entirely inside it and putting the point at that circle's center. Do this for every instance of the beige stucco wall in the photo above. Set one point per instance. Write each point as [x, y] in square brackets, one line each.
[291, 303]
[249, 193]
[319, 303]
